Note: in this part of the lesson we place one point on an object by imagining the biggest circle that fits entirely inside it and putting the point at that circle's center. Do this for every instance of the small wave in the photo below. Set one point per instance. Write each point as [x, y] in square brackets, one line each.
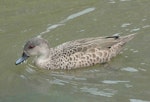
[125, 25]
[114, 81]
[61, 23]
[137, 100]
[95, 91]
[129, 69]
[58, 82]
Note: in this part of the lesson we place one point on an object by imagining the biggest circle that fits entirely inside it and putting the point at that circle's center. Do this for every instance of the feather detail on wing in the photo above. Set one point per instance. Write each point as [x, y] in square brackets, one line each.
[84, 45]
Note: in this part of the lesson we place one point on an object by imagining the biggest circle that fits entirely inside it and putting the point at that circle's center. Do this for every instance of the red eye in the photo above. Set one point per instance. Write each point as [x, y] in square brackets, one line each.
[31, 46]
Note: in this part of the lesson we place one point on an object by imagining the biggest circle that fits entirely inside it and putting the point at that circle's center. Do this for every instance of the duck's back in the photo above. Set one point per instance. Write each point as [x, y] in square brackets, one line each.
[87, 52]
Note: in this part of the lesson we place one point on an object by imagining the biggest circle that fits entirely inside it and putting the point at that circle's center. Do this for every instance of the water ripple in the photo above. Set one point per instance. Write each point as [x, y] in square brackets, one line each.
[135, 29]
[69, 77]
[95, 91]
[114, 81]
[125, 25]
[61, 23]
[129, 69]
[137, 100]
[58, 82]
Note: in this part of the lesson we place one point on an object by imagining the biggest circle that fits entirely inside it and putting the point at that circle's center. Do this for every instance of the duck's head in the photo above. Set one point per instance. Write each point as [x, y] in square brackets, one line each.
[34, 47]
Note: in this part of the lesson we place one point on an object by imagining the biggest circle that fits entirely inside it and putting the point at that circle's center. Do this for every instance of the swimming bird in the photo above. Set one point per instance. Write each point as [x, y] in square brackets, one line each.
[73, 54]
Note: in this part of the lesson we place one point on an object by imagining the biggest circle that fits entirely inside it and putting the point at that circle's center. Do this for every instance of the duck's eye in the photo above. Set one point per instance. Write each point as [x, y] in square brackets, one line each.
[31, 46]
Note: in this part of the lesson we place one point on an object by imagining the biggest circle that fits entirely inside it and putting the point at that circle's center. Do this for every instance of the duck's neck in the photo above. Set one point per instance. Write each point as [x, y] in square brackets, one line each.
[42, 59]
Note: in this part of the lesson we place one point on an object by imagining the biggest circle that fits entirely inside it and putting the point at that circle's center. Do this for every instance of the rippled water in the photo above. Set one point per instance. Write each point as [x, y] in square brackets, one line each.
[124, 79]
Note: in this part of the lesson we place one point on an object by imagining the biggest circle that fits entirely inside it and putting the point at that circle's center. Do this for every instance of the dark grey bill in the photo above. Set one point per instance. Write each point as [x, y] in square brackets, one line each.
[22, 59]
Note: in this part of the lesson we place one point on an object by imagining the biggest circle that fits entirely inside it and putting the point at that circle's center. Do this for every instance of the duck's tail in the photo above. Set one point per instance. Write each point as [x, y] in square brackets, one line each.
[125, 39]
[116, 48]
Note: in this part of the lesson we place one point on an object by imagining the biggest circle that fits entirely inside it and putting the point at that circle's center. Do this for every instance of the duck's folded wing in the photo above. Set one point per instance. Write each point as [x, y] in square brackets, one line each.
[84, 45]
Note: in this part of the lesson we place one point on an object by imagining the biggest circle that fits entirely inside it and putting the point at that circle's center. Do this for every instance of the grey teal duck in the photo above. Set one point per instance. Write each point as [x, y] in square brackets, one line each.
[73, 54]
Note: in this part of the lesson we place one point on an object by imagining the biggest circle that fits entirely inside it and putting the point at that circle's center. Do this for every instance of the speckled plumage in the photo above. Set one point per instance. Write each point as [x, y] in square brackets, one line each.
[75, 54]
